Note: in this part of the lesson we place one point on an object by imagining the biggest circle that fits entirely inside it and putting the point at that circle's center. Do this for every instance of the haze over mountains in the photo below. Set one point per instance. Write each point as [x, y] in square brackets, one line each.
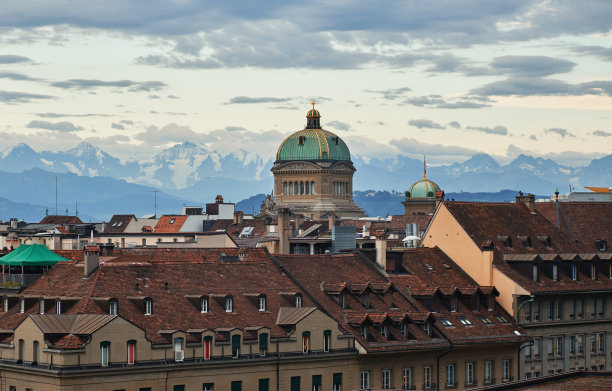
[189, 173]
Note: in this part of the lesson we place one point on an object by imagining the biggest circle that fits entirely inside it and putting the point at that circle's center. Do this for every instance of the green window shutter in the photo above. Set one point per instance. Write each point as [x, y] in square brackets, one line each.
[305, 333]
[327, 332]
[236, 385]
[295, 383]
[337, 378]
[263, 341]
[264, 384]
[208, 338]
[235, 341]
[179, 387]
[316, 380]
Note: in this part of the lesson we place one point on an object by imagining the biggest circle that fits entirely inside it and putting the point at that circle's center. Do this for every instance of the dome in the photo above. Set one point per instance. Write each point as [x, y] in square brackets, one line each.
[423, 189]
[313, 143]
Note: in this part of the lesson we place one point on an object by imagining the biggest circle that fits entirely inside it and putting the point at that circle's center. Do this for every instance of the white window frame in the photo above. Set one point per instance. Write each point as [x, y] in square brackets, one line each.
[365, 380]
[298, 301]
[58, 307]
[574, 272]
[506, 370]
[21, 306]
[407, 378]
[593, 271]
[450, 375]
[386, 379]
[204, 305]
[148, 307]
[104, 352]
[41, 307]
[326, 342]
[469, 373]
[555, 272]
[229, 304]
[207, 387]
[384, 330]
[112, 307]
[262, 303]
[404, 329]
[6, 304]
[488, 371]
[427, 376]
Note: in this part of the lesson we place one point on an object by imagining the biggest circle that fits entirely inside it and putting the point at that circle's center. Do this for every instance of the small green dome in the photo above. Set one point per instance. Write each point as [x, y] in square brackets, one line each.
[423, 189]
[313, 113]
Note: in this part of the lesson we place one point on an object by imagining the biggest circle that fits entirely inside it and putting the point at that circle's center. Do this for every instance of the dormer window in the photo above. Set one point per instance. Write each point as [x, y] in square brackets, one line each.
[534, 273]
[384, 330]
[229, 304]
[404, 329]
[22, 305]
[555, 272]
[593, 272]
[365, 299]
[204, 305]
[148, 307]
[42, 307]
[427, 328]
[172, 221]
[112, 307]
[262, 303]
[364, 331]
[601, 245]
[58, 307]
[342, 300]
[298, 300]
[574, 272]
[453, 304]
[6, 300]
[301, 140]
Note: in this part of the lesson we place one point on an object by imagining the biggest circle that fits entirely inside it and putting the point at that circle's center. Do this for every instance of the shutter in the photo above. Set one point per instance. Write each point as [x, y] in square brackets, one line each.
[236, 386]
[337, 378]
[316, 380]
[264, 384]
[295, 383]
[263, 341]
[236, 341]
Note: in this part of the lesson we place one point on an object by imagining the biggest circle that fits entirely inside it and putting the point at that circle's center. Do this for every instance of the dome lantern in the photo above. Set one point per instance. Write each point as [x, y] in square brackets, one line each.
[313, 118]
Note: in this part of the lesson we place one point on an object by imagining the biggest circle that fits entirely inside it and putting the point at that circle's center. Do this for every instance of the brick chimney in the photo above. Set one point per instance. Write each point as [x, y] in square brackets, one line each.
[238, 217]
[527, 200]
[92, 260]
[381, 248]
[283, 230]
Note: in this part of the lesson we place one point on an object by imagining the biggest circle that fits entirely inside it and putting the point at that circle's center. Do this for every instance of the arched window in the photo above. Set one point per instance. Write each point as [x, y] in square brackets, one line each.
[296, 188]
[131, 351]
[148, 306]
[104, 352]
[207, 347]
[58, 307]
[204, 304]
[35, 350]
[285, 188]
[229, 304]
[312, 187]
[307, 186]
[302, 187]
[113, 307]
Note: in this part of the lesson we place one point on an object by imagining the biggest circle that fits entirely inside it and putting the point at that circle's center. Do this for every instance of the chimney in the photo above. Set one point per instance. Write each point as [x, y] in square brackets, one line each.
[381, 248]
[527, 200]
[243, 255]
[298, 222]
[92, 260]
[332, 220]
[238, 217]
[219, 199]
[283, 234]
[439, 197]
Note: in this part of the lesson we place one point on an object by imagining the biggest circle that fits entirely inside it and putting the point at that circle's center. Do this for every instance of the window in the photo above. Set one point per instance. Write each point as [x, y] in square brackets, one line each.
[593, 344]
[41, 307]
[450, 375]
[35, 349]
[263, 344]
[112, 307]
[445, 322]
[295, 383]
[316, 382]
[527, 311]
[469, 373]
[507, 370]
[559, 310]
[172, 221]
[204, 305]
[131, 351]
[305, 341]
[337, 382]
[365, 299]
[342, 300]
[298, 300]
[536, 348]
[486, 320]
[488, 371]
[593, 272]
[22, 305]
[427, 376]
[558, 346]
[326, 340]
[312, 187]
[502, 319]
[600, 306]
[453, 304]
[364, 331]
[365, 380]
[601, 342]
[572, 309]
[262, 303]
[264, 384]
[551, 310]
[534, 273]
[386, 379]
[536, 311]
[427, 328]
[208, 386]
[407, 379]
[207, 347]
[148, 307]
[384, 330]
[574, 272]
[6, 304]
[465, 321]
[236, 385]
[404, 329]
[555, 272]
[528, 352]
[104, 350]
[235, 346]
[229, 304]
[580, 345]
[579, 309]
[572, 345]
[592, 309]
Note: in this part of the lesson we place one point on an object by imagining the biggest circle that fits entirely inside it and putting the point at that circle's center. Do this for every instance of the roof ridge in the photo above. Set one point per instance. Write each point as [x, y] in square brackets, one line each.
[90, 293]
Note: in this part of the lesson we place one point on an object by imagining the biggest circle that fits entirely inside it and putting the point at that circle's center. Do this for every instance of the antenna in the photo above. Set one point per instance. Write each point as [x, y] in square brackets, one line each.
[76, 208]
[155, 192]
[56, 195]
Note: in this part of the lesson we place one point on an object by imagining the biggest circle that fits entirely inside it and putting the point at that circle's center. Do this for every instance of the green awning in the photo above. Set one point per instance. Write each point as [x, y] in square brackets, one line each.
[31, 255]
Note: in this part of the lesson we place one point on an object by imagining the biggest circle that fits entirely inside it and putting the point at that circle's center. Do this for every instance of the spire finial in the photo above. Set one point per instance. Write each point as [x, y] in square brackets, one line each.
[424, 168]
[313, 104]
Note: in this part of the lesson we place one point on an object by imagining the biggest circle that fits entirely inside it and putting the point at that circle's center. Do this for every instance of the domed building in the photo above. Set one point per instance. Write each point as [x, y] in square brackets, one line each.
[423, 196]
[313, 172]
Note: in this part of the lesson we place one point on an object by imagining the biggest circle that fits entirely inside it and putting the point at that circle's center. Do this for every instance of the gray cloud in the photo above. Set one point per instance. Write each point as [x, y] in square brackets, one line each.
[126, 122]
[339, 125]
[416, 147]
[602, 133]
[15, 76]
[392, 93]
[248, 100]
[86, 84]
[425, 123]
[13, 59]
[117, 126]
[438, 102]
[502, 130]
[60, 115]
[602, 52]
[63, 126]
[154, 96]
[520, 86]
[533, 137]
[560, 131]
[21, 97]
[454, 124]
[172, 97]
[234, 128]
[531, 66]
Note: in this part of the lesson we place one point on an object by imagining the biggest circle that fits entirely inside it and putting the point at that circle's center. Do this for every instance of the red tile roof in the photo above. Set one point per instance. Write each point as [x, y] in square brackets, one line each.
[170, 223]
[57, 219]
[118, 223]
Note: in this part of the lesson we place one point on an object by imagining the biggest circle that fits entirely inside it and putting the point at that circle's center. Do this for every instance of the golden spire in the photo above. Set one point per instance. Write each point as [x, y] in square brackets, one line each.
[424, 168]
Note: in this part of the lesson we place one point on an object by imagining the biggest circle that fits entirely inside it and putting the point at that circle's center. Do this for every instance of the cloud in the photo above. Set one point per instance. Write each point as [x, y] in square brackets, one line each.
[533, 137]
[502, 130]
[602, 133]
[63, 126]
[438, 102]
[154, 96]
[412, 146]
[249, 100]
[60, 115]
[15, 76]
[425, 123]
[392, 93]
[173, 97]
[13, 59]
[454, 124]
[525, 86]
[21, 97]
[86, 84]
[126, 122]
[602, 52]
[531, 66]
[339, 125]
[117, 126]
[559, 131]
[235, 128]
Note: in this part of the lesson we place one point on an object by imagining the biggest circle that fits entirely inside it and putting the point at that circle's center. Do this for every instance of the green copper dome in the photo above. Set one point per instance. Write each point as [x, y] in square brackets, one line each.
[313, 143]
[423, 189]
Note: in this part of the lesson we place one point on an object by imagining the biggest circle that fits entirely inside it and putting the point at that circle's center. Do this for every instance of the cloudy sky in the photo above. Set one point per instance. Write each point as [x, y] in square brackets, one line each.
[443, 78]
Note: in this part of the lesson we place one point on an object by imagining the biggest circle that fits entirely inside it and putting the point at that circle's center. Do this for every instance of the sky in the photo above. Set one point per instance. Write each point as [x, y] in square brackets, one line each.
[447, 79]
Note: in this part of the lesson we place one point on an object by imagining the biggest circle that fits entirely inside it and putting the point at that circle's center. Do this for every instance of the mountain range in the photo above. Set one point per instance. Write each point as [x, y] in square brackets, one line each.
[189, 173]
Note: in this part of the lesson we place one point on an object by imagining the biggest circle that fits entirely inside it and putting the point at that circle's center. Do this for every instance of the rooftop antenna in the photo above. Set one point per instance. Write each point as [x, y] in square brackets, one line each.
[76, 208]
[56, 195]
[155, 192]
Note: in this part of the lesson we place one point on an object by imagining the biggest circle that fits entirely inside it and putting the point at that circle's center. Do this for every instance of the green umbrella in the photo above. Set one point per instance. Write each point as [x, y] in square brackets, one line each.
[32, 255]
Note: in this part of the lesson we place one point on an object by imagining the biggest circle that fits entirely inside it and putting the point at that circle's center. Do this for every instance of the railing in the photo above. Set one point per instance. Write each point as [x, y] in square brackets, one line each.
[21, 279]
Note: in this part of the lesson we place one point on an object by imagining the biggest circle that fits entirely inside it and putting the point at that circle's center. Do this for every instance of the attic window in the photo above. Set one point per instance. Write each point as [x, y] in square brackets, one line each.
[593, 272]
[229, 304]
[262, 303]
[384, 330]
[336, 140]
[427, 328]
[364, 331]
[301, 140]
[22, 305]
[365, 300]
[465, 321]
[112, 307]
[601, 245]
[204, 305]
[486, 320]
[502, 319]
[171, 221]
[404, 329]
[6, 300]
[148, 307]
[446, 322]
[298, 300]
